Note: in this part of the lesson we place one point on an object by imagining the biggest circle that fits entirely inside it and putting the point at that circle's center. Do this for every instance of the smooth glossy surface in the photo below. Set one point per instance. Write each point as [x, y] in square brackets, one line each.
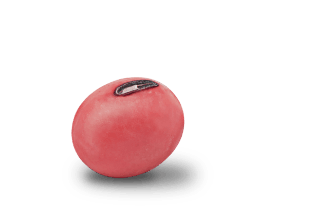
[124, 136]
